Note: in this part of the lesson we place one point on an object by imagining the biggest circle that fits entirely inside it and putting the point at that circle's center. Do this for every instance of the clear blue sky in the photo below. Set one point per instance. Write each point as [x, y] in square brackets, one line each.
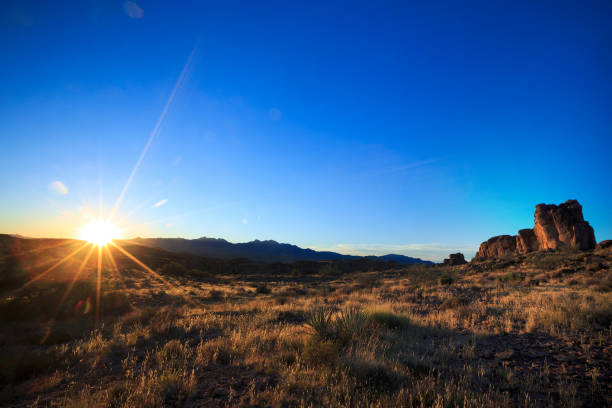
[363, 127]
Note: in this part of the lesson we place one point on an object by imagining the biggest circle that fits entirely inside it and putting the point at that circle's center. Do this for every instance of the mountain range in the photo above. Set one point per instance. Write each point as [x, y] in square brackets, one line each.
[266, 251]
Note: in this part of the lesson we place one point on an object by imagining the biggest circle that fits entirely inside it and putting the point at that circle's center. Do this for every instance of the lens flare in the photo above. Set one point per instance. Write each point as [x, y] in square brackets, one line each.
[99, 232]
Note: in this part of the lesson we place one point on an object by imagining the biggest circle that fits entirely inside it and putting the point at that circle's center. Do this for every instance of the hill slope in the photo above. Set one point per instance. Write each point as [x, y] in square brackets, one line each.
[267, 251]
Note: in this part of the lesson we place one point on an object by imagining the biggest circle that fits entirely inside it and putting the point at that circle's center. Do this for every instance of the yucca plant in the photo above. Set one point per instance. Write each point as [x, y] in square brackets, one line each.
[350, 323]
[320, 319]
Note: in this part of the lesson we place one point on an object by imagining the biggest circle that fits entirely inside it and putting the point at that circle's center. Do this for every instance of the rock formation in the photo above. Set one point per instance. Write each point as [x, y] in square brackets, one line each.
[562, 226]
[455, 259]
[556, 226]
[526, 241]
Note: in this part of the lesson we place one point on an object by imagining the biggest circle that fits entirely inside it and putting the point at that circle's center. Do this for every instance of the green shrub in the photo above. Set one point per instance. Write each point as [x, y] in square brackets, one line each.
[346, 325]
[320, 319]
[349, 323]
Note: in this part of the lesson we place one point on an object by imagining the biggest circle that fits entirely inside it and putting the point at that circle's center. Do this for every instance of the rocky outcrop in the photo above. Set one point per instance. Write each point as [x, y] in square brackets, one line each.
[562, 226]
[604, 244]
[455, 259]
[497, 247]
[556, 226]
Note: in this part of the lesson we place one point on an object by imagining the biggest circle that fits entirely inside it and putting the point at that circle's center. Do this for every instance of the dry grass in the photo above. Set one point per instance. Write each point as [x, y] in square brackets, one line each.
[417, 337]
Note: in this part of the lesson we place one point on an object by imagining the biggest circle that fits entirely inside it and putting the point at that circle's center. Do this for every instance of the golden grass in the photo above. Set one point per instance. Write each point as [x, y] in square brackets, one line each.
[416, 337]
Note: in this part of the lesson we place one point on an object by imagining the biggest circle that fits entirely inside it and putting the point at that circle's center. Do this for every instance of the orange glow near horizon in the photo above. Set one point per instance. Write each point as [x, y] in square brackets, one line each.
[99, 232]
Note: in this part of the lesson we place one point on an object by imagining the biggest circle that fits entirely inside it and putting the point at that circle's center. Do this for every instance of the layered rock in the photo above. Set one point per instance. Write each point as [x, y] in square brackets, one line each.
[556, 226]
[455, 259]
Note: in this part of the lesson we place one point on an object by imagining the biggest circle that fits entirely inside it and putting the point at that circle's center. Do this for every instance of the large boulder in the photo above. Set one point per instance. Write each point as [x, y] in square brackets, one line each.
[556, 226]
[562, 226]
[497, 247]
[455, 259]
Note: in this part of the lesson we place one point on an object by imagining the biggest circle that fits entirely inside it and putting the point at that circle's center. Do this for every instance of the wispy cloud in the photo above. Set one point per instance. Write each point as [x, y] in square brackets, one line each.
[133, 10]
[58, 187]
[274, 114]
[429, 251]
[160, 203]
[408, 166]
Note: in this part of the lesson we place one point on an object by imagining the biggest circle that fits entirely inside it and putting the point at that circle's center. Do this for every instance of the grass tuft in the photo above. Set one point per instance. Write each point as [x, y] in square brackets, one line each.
[389, 320]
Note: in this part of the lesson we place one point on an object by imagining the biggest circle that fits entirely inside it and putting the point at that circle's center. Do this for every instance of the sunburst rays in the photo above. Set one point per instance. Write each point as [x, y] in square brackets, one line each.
[52, 268]
[143, 266]
[102, 251]
[101, 237]
[154, 132]
[75, 278]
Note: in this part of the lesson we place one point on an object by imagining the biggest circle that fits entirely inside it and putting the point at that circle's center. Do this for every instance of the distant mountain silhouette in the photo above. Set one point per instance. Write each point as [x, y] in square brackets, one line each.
[267, 251]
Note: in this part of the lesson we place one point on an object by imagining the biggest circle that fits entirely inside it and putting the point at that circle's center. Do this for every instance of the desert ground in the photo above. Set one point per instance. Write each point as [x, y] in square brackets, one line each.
[532, 330]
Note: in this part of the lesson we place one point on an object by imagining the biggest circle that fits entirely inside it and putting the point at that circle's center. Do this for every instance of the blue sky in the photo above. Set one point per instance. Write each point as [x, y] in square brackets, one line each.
[362, 127]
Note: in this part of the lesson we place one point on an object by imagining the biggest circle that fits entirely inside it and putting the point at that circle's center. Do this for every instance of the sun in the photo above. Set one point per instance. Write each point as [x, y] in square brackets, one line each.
[99, 232]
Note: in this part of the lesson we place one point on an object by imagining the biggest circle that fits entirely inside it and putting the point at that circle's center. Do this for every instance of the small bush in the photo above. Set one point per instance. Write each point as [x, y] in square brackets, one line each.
[262, 290]
[216, 294]
[445, 280]
[453, 303]
[368, 281]
[511, 277]
[291, 317]
[548, 261]
[173, 353]
[216, 351]
[373, 374]
[389, 320]
[317, 351]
